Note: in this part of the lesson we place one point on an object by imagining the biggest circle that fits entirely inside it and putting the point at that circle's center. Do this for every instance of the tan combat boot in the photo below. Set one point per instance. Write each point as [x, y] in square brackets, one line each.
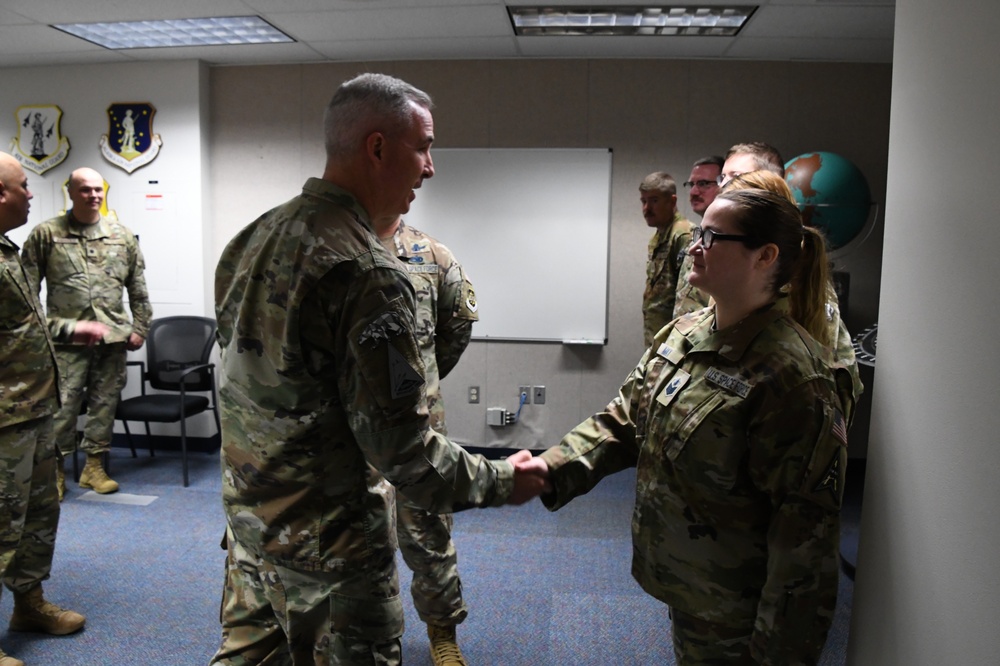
[33, 613]
[444, 647]
[94, 476]
[61, 486]
[7, 660]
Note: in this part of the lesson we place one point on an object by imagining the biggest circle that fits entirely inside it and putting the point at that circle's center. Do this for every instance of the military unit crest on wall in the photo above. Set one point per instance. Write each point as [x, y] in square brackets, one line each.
[38, 145]
[129, 144]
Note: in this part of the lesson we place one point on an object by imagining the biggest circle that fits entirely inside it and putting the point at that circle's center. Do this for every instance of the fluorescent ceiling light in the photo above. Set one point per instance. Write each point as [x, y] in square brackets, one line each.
[177, 32]
[636, 20]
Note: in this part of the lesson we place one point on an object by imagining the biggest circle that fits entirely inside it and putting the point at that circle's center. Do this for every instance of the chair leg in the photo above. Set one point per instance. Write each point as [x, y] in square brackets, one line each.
[128, 434]
[184, 452]
[149, 440]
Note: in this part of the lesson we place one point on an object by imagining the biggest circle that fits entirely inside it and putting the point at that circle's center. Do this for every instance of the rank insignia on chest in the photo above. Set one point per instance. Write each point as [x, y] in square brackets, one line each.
[673, 387]
[669, 353]
[731, 383]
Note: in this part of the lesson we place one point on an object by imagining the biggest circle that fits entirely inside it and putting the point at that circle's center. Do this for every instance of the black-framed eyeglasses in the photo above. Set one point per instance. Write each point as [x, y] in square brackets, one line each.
[708, 237]
[700, 183]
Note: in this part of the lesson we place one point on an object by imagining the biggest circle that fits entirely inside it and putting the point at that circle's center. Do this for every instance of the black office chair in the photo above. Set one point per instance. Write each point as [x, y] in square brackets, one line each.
[178, 350]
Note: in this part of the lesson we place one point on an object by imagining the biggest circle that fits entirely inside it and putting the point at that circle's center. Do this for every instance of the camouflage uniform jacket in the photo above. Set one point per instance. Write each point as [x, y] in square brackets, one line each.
[29, 386]
[666, 252]
[688, 297]
[849, 386]
[86, 268]
[321, 385]
[446, 308]
[740, 449]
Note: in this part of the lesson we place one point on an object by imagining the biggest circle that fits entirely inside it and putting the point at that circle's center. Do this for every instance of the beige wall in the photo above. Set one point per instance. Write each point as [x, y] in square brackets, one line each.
[265, 131]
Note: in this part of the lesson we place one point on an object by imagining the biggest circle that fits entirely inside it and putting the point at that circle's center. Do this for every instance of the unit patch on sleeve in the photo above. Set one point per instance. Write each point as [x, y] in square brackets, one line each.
[831, 477]
[403, 379]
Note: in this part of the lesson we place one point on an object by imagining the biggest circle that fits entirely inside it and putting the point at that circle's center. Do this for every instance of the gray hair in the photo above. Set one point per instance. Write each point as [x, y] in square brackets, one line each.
[365, 104]
[658, 181]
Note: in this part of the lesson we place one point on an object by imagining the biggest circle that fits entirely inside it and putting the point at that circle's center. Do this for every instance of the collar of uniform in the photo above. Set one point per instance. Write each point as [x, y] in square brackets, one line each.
[732, 342]
[324, 189]
[99, 229]
[6, 242]
[397, 239]
[663, 233]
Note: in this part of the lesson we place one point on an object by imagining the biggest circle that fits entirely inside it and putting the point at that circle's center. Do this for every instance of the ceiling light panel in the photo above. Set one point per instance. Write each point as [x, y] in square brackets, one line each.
[664, 21]
[177, 32]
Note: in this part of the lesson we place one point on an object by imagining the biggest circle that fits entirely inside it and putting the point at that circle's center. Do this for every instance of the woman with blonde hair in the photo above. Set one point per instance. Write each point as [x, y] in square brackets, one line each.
[734, 425]
[833, 334]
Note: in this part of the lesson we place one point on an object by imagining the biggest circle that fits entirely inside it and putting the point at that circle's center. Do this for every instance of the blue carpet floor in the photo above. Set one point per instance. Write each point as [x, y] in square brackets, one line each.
[543, 589]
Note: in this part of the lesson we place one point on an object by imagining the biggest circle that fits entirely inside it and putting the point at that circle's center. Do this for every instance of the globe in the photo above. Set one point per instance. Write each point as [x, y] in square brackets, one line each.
[832, 193]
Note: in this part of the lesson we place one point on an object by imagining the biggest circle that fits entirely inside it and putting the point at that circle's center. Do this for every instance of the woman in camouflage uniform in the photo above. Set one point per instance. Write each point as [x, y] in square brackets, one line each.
[733, 421]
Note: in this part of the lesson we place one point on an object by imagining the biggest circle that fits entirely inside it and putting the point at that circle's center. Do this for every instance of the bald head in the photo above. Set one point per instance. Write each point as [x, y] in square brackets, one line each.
[14, 194]
[86, 191]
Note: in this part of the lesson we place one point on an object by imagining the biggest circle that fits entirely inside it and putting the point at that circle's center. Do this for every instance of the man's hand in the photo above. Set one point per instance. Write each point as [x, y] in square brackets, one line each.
[89, 332]
[135, 341]
[531, 477]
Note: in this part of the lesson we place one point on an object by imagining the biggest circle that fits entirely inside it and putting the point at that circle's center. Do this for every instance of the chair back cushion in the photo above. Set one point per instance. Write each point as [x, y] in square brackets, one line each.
[175, 344]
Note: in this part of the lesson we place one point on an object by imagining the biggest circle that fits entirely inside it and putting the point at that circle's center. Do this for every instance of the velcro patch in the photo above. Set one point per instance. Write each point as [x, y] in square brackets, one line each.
[669, 353]
[470, 300]
[403, 379]
[839, 428]
[831, 477]
[381, 329]
[673, 387]
[731, 383]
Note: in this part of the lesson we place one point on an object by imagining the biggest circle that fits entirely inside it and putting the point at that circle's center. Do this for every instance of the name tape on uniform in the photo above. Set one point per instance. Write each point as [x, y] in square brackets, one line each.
[731, 383]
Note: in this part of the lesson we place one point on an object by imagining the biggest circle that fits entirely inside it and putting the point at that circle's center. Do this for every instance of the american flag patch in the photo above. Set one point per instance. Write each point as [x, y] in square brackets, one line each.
[839, 428]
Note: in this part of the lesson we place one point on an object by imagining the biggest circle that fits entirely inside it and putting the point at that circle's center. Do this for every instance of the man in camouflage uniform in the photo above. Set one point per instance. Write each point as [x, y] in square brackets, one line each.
[704, 185]
[88, 261]
[658, 194]
[323, 405]
[29, 396]
[446, 309]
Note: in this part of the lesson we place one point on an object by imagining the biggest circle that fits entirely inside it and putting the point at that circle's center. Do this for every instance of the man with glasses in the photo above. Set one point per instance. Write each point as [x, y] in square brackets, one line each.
[703, 185]
[667, 249]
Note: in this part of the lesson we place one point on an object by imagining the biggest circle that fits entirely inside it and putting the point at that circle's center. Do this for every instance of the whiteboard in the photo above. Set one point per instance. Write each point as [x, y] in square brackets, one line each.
[532, 229]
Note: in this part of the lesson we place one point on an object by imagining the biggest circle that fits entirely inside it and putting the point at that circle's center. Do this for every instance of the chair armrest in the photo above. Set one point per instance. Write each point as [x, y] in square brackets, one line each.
[187, 371]
[142, 374]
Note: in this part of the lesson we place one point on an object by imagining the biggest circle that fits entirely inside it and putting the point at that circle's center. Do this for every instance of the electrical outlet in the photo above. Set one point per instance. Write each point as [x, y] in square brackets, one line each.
[474, 395]
[526, 392]
[539, 395]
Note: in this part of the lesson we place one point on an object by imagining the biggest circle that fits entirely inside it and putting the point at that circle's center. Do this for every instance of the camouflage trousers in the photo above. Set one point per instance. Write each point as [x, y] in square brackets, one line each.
[97, 374]
[699, 642]
[29, 503]
[275, 616]
[426, 545]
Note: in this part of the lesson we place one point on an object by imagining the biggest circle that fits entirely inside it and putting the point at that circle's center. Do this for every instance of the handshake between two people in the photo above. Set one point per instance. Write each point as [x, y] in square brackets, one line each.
[531, 477]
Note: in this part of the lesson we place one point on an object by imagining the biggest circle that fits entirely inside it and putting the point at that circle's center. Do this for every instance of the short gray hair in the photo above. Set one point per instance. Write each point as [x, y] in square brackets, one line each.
[659, 181]
[365, 104]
